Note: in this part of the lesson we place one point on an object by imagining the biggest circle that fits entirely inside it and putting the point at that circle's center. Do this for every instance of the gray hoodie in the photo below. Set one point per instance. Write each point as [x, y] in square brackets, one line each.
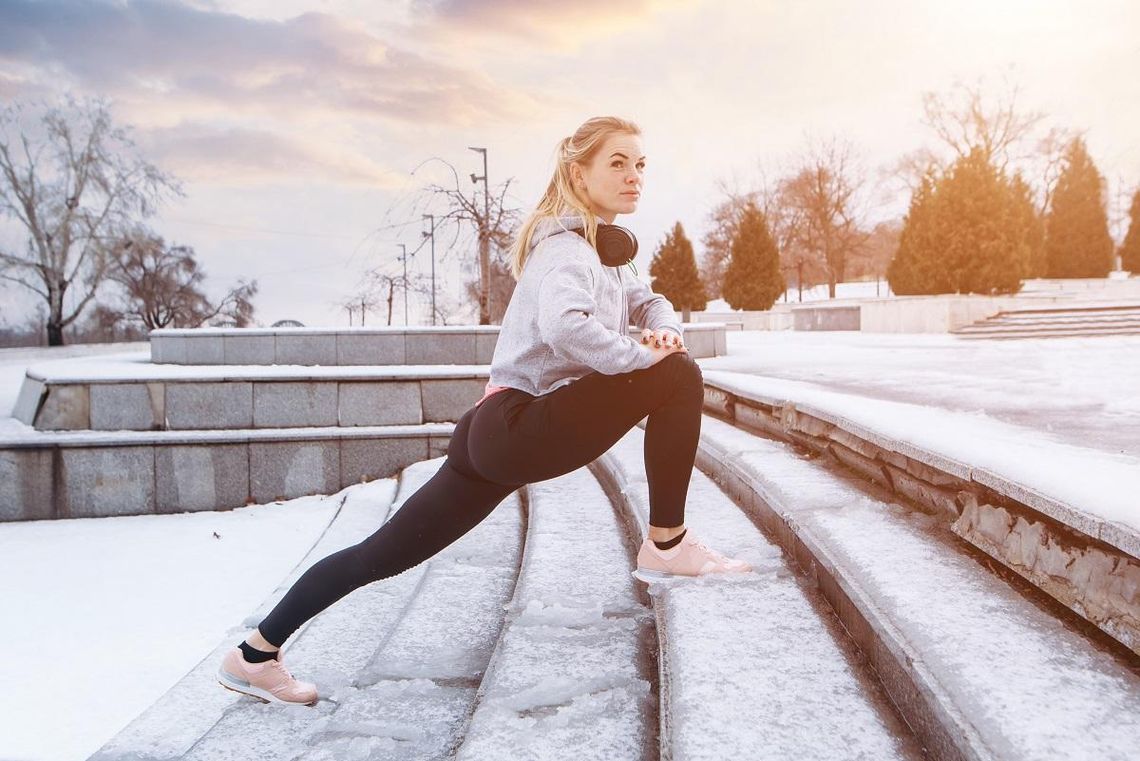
[569, 314]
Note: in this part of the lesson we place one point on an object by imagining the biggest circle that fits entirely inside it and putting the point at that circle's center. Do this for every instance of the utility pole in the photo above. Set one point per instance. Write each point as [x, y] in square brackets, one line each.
[431, 234]
[484, 244]
[362, 310]
[404, 258]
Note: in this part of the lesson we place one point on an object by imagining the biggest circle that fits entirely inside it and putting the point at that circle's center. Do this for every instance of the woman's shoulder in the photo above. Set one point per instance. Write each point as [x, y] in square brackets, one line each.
[562, 251]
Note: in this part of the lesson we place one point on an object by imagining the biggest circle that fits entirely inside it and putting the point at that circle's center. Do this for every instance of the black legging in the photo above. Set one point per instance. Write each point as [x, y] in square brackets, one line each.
[513, 439]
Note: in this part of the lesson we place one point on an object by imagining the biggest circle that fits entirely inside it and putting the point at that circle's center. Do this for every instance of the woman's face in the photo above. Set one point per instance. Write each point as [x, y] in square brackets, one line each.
[611, 182]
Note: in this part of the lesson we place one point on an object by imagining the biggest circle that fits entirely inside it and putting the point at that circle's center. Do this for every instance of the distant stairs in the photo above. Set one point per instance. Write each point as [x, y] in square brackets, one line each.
[1085, 320]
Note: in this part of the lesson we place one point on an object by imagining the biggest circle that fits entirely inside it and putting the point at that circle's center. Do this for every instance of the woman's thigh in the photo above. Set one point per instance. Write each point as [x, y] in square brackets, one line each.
[525, 439]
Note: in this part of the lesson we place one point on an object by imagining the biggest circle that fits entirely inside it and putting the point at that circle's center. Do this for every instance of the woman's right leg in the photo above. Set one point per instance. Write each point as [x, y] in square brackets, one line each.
[445, 508]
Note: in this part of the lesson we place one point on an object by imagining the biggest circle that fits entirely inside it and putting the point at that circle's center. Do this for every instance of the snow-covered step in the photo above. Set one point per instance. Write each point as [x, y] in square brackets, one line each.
[1050, 323]
[130, 393]
[1121, 330]
[187, 711]
[416, 673]
[978, 669]
[573, 675]
[750, 666]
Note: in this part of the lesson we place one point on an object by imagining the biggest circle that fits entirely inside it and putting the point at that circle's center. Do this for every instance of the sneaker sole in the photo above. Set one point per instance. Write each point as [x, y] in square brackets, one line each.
[245, 688]
[657, 577]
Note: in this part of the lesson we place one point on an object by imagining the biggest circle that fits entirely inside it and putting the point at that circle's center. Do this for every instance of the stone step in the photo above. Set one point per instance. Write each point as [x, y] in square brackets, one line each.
[459, 344]
[85, 474]
[751, 667]
[1088, 319]
[397, 662]
[980, 670]
[192, 706]
[574, 674]
[1050, 332]
[127, 393]
[1077, 540]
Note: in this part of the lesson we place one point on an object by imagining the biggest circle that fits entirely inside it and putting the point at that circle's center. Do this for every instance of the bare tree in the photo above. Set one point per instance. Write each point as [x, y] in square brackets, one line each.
[162, 286]
[73, 181]
[488, 221]
[966, 119]
[821, 201]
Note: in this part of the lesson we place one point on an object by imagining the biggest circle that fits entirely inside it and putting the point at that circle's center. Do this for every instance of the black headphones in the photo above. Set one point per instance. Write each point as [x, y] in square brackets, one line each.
[616, 245]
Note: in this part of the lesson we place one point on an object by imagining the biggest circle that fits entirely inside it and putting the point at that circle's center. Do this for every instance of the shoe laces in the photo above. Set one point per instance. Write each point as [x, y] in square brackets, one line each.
[276, 664]
[709, 551]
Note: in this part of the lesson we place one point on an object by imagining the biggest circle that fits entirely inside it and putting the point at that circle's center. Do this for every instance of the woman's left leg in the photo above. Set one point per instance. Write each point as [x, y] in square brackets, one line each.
[547, 436]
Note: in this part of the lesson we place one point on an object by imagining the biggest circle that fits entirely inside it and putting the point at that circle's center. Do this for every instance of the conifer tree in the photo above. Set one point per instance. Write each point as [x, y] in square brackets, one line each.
[967, 232]
[914, 268]
[1077, 243]
[1130, 250]
[753, 279]
[1025, 212]
[674, 272]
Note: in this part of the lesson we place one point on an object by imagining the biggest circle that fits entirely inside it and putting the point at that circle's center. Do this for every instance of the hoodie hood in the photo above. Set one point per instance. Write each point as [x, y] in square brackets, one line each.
[548, 226]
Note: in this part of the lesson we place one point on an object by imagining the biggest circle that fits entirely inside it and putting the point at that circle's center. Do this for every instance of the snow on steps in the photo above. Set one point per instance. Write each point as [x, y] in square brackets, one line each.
[573, 675]
[346, 648]
[749, 668]
[977, 669]
[1046, 323]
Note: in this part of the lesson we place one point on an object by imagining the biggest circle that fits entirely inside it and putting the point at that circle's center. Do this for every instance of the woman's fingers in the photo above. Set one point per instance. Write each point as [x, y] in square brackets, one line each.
[660, 338]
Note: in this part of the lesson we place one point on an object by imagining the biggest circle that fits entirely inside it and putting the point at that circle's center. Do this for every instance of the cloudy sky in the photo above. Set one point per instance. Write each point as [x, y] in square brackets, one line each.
[295, 126]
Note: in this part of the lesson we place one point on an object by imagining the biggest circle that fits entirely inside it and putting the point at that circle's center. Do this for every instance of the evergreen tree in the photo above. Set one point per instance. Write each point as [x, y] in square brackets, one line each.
[1025, 212]
[967, 232]
[753, 279]
[1130, 250]
[674, 272]
[915, 266]
[1077, 243]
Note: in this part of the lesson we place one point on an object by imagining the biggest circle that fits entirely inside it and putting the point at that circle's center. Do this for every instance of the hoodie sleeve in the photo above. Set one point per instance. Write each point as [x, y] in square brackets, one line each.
[648, 309]
[567, 323]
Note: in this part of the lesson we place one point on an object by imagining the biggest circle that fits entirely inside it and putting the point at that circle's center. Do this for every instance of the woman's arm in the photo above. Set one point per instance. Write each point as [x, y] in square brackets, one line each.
[648, 309]
[567, 323]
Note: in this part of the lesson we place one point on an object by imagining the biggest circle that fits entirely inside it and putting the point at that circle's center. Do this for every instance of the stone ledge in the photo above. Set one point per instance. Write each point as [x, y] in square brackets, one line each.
[458, 344]
[1088, 564]
[137, 473]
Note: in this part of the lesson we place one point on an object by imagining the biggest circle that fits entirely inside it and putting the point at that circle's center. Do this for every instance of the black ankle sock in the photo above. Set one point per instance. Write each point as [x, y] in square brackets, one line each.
[671, 543]
[253, 655]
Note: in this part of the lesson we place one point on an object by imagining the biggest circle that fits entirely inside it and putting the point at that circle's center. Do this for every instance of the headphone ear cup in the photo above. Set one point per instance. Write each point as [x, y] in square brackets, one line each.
[616, 245]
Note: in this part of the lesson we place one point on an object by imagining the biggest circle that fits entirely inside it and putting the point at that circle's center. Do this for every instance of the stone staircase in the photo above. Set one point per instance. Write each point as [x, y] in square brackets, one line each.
[1095, 319]
[218, 418]
[866, 630]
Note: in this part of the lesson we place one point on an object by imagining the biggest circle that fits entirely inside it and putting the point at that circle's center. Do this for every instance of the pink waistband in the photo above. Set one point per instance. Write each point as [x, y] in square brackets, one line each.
[489, 390]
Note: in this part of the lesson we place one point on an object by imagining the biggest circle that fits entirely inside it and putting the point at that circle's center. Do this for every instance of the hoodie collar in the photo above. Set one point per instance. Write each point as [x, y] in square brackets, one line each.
[548, 226]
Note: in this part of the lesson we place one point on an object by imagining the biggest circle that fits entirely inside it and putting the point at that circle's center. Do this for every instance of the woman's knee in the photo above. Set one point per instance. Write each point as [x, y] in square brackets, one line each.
[685, 373]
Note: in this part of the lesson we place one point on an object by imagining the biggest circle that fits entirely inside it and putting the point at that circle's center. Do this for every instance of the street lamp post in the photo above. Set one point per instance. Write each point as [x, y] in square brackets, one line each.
[484, 235]
[404, 258]
[431, 234]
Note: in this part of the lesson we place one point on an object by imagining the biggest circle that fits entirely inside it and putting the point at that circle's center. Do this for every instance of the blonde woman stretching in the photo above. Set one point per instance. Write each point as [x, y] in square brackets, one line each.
[566, 383]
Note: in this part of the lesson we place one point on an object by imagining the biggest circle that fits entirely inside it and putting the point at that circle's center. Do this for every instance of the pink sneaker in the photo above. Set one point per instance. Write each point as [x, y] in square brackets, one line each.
[270, 681]
[688, 558]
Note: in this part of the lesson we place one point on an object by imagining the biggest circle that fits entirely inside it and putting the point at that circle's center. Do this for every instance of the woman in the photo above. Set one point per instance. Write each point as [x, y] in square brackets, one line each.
[566, 383]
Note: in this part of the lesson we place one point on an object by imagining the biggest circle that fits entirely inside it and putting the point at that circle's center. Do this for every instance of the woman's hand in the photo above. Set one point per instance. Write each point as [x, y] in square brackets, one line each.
[662, 343]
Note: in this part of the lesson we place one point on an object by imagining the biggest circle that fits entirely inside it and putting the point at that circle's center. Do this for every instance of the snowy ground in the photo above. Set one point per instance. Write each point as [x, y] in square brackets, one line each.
[1082, 391]
[104, 615]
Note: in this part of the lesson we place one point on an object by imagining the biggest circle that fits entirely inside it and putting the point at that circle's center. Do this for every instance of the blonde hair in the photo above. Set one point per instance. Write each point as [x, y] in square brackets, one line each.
[561, 197]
